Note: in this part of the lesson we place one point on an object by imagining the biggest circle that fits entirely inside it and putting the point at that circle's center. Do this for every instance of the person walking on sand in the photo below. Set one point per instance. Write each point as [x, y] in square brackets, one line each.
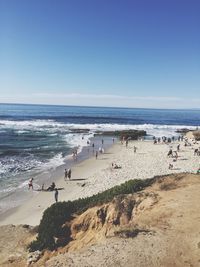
[56, 194]
[134, 149]
[96, 155]
[30, 184]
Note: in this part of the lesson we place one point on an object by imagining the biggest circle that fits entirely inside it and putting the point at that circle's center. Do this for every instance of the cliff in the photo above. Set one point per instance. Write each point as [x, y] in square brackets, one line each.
[158, 226]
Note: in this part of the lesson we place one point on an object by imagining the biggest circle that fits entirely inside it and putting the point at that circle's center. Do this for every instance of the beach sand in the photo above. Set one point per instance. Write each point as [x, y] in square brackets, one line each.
[92, 176]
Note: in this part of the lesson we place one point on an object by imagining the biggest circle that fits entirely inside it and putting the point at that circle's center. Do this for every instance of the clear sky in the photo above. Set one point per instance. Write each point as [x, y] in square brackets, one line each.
[129, 53]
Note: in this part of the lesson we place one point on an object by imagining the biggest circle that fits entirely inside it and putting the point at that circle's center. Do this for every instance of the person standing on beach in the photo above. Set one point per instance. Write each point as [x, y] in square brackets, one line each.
[76, 154]
[135, 149]
[126, 142]
[66, 174]
[30, 184]
[96, 155]
[56, 195]
[69, 173]
[93, 147]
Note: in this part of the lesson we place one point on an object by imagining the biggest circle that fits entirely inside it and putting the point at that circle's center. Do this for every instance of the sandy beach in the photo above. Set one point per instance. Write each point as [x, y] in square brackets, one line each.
[92, 176]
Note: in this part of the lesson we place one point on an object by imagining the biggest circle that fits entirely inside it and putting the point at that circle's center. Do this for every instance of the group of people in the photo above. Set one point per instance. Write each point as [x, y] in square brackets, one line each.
[68, 173]
[52, 187]
[173, 154]
[126, 143]
[165, 139]
[115, 166]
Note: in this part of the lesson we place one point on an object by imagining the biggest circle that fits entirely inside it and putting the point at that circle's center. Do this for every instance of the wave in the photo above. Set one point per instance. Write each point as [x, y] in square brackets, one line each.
[152, 129]
[78, 140]
[18, 180]
[29, 124]
[41, 124]
[55, 161]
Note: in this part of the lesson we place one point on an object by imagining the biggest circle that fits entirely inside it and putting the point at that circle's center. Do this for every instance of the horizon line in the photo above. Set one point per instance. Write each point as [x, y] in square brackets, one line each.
[86, 106]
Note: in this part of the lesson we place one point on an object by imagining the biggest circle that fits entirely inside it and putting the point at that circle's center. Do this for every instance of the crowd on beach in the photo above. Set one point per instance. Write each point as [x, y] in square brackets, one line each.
[175, 146]
[68, 172]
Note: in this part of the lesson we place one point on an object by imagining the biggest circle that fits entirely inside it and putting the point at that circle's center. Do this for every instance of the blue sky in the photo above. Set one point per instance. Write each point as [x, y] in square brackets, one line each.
[100, 52]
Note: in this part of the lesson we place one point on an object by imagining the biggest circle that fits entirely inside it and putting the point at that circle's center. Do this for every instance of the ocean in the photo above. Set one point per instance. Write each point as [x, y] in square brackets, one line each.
[37, 139]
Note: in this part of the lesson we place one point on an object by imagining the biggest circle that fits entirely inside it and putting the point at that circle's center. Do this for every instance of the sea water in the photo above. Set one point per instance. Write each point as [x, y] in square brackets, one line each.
[36, 139]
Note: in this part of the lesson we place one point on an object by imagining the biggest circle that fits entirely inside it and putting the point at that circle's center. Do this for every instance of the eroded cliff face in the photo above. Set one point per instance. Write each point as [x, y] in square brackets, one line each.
[166, 213]
[106, 220]
[101, 222]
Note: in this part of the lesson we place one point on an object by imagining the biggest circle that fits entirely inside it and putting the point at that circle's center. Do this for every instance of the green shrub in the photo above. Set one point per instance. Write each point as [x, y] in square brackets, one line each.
[55, 216]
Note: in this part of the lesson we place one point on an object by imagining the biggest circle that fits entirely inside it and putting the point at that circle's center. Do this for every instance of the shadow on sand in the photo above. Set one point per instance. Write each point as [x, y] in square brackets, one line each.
[79, 179]
[45, 190]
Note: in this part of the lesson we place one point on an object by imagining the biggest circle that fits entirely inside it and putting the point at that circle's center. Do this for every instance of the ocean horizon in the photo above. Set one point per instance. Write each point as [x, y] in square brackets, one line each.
[96, 106]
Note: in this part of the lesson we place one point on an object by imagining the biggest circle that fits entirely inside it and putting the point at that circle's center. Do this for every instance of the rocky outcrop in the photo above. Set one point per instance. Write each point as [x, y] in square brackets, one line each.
[124, 134]
[183, 130]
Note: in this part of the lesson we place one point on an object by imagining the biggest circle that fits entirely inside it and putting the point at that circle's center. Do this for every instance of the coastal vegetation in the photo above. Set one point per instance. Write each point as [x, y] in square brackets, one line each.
[53, 225]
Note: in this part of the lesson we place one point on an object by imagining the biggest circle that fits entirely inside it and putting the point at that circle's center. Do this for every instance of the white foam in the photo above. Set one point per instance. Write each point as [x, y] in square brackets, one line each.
[54, 127]
[28, 123]
[78, 140]
[57, 160]
[152, 129]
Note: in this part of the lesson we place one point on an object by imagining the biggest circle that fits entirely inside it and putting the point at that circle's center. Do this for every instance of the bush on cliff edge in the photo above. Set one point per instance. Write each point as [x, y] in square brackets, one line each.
[55, 216]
